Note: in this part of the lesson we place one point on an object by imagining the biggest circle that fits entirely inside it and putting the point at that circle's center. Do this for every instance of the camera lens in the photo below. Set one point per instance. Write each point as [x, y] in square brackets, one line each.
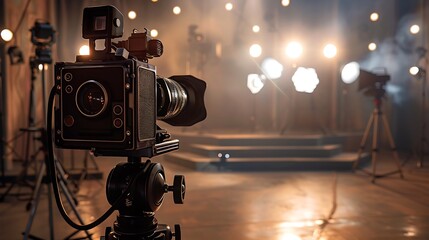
[91, 98]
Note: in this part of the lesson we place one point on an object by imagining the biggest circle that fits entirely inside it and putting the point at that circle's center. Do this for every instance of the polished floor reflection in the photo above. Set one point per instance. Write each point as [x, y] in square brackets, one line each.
[268, 205]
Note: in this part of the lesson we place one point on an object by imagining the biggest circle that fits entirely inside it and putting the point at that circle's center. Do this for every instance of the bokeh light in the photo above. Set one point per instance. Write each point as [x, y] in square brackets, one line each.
[255, 50]
[374, 17]
[305, 80]
[229, 6]
[84, 50]
[414, 29]
[256, 28]
[6, 35]
[350, 72]
[272, 68]
[177, 10]
[154, 33]
[294, 50]
[372, 46]
[330, 50]
[132, 15]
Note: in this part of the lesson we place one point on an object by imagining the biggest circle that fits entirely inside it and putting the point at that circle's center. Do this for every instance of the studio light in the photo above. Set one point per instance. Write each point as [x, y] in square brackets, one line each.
[372, 46]
[417, 71]
[272, 68]
[154, 33]
[305, 80]
[350, 72]
[255, 50]
[256, 28]
[229, 6]
[374, 17]
[330, 51]
[84, 50]
[372, 84]
[6, 35]
[132, 15]
[294, 50]
[414, 29]
[177, 10]
[285, 3]
[255, 82]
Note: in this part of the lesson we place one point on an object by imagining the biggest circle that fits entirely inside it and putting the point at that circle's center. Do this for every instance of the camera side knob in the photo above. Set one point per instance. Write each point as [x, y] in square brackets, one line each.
[178, 188]
[177, 232]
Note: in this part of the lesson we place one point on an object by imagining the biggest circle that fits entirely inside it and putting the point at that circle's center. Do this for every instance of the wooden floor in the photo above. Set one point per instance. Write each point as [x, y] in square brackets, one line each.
[268, 205]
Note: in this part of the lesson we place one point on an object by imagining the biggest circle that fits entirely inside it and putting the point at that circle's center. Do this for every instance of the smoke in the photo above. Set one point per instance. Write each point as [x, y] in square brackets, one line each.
[395, 56]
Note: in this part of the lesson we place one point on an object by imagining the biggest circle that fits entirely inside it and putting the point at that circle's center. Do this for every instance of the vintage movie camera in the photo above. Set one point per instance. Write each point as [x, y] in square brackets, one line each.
[109, 102]
[110, 99]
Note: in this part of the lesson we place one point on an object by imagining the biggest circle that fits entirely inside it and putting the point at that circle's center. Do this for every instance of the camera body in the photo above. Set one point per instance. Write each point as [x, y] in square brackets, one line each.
[109, 100]
[106, 105]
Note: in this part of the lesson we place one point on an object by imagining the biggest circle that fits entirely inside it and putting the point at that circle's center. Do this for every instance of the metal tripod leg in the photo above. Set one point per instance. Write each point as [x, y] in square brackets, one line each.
[392, 145]
[363, 141]
[35, 204]
[375, 133]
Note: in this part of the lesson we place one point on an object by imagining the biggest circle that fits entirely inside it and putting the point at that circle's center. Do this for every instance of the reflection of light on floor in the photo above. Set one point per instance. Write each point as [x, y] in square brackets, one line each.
[299, 224]
[289, 236]
[410, 231]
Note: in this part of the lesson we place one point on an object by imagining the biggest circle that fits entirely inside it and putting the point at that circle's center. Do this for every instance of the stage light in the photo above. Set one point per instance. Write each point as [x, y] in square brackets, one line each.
[255, 50]
[350, 72]
[154, 33]
[154, 1]
[272, 68]
[414, 70]
[132, 15]
[294, 50]
[414, 29]
[84, 50]
[6, 35]
[305, 80]
[177, 10]
[330, 51]
[229, 6]
[256, 28]
[255, 82]
[285, 3]
[374, 17]
[372, 46]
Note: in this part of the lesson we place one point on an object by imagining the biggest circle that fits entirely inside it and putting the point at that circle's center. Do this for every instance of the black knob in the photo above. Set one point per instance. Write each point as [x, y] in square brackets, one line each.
[179, 189]
[177, 233]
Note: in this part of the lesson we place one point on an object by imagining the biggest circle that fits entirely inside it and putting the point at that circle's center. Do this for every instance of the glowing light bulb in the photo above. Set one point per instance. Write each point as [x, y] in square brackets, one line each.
[294, 50]
[6, 35]
[330, 51]
[374, 17]
[415, 29]
[372, 46]
[229, 6]
[256, 28]
[84, 50]
[255, 50]
[132, 15]
[177, 10]
[154, 33]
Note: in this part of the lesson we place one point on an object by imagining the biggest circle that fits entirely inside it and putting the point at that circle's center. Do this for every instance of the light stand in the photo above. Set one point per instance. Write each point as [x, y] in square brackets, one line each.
[423, 140]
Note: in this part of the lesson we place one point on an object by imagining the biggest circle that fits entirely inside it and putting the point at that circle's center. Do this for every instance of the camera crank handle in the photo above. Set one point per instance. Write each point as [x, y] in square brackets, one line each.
[178, 188]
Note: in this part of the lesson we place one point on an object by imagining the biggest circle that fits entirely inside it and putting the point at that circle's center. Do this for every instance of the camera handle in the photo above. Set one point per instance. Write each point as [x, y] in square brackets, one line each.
[136, 219]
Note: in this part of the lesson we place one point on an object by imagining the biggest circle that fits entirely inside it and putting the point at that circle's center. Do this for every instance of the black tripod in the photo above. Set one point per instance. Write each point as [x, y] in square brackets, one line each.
[374, 121]
[42, 178]
[423, 140]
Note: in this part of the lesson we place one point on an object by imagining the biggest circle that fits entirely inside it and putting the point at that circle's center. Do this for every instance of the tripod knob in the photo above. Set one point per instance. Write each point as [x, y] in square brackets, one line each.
[177, 232]
[178, 189]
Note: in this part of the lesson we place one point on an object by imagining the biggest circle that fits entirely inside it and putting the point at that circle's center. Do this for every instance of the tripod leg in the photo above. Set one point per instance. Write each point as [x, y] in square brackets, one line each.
[34, 205]
[392, 145]
[375, 144]
[363, 141]
[36, 191]
[51, 216]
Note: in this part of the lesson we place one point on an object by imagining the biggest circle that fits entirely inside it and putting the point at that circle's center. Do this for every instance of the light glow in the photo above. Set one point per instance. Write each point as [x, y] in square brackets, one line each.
[415, 29]
[84, 50]
[372, 46]
[374, 17]
[414, 70]
[6, 35]
[154, 33]
[330, 51]
[285, 3]
[229, 6]
[294, 50]
[350, 72]
[132, 15]
[256, 28]
[272, 68]
[305, 80]
[255, 50]
[177, 10]
[255, 82]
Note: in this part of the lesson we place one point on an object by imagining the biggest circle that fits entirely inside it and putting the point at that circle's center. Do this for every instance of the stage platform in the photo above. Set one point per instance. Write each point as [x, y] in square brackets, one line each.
[267, 152]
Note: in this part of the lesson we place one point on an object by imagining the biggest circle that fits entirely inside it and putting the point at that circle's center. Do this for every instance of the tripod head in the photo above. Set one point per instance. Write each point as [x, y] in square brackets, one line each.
[146, 186]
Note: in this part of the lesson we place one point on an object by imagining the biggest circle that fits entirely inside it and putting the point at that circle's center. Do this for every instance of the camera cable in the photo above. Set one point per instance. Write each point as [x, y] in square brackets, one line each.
[51, 171]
